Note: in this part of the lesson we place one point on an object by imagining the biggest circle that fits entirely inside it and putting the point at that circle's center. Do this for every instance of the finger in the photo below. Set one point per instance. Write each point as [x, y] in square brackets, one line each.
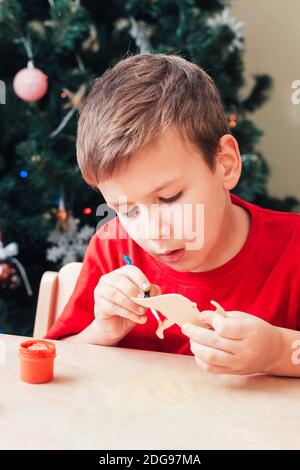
[109, 308]
[233, 328]
[209, 338]
[212, 356]
[155, 290]
[238, 314]
[219, 308]
[122, 284]
[208, 317]
[205, 367]
[136, 275]
[115, 296]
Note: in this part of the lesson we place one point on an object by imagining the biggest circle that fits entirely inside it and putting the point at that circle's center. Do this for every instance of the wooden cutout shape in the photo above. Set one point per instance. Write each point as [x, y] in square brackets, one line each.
[177, 309]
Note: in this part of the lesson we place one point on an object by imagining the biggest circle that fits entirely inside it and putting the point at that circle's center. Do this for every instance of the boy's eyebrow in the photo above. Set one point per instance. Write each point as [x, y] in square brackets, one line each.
[155, 190]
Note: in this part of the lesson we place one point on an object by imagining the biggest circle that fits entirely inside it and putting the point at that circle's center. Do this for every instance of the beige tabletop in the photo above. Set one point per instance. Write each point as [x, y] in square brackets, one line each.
[115, 398]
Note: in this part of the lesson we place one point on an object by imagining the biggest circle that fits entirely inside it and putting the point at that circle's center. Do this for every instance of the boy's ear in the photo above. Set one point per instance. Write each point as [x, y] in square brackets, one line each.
[229, 161]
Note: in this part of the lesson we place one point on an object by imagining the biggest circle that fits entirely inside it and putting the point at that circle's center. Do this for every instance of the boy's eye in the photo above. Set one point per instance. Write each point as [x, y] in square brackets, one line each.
[133, 212]
[169, 200]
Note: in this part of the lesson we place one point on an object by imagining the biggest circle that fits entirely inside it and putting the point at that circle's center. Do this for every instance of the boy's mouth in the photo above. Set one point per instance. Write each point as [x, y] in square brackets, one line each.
[171, 256]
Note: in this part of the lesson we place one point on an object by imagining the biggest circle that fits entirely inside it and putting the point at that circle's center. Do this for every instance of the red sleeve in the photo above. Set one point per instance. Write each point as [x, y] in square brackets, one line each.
[79, 311]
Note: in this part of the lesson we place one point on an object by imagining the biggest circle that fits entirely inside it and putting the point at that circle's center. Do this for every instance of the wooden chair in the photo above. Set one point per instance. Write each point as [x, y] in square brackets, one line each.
[54, 292]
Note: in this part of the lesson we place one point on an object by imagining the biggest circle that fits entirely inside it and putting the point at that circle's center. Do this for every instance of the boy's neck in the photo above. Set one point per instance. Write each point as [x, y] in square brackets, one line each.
[233, 235]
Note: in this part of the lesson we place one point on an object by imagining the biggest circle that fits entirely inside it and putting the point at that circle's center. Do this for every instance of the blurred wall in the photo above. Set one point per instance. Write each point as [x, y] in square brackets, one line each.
[272, 46]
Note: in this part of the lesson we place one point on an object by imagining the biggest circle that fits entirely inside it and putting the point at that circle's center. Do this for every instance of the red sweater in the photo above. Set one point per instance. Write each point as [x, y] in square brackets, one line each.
[262, 279]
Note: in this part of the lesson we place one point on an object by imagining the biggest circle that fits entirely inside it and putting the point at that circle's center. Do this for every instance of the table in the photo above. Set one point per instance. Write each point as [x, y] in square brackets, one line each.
[117, 398]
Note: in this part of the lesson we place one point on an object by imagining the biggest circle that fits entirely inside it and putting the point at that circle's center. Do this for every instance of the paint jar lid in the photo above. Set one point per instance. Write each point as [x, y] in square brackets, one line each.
[37, 348]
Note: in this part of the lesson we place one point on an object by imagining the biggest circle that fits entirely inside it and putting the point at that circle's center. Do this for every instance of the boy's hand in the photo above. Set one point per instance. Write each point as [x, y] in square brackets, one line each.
[238, 344]
[115, 313]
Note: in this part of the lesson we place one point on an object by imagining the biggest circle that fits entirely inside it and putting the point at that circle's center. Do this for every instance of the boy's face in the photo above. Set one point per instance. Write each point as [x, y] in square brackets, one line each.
[174, 201]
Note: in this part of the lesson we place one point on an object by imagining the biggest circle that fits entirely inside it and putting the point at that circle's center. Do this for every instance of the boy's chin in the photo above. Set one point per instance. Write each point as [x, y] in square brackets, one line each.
[192, 262]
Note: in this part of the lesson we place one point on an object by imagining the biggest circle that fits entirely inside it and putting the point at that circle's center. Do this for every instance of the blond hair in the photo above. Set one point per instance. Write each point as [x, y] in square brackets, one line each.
[134, 102]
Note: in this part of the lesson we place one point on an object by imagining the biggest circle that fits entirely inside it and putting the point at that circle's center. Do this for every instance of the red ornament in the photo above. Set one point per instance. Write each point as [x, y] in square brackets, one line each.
[9, 277]
[30, 83]
[232, 120]
[87, 210]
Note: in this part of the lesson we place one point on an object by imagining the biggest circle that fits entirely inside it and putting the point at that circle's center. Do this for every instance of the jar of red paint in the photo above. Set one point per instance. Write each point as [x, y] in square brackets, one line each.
[37, 361]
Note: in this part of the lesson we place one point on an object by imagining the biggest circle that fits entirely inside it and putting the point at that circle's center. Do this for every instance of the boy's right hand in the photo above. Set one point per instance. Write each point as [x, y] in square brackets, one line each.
[115, 313]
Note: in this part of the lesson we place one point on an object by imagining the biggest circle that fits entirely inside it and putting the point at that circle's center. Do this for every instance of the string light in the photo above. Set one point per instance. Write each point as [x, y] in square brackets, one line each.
[232, 120]
[23, 174]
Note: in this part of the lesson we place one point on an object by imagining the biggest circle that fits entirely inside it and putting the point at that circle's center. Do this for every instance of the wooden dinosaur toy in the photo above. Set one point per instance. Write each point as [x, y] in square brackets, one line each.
[177, 309]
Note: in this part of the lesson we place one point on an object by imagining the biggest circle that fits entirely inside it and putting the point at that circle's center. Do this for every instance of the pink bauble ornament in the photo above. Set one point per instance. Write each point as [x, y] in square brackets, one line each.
[30, 83]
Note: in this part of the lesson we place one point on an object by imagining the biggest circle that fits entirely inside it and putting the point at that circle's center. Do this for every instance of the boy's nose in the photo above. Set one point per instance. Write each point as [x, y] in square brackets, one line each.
[157, 227]
[162, 237]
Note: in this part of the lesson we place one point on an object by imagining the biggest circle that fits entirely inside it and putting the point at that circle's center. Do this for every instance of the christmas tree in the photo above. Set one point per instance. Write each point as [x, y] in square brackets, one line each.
[50, 54]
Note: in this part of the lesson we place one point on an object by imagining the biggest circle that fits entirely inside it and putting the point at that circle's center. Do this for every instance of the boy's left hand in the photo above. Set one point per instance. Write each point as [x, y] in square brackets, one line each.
[238, 344]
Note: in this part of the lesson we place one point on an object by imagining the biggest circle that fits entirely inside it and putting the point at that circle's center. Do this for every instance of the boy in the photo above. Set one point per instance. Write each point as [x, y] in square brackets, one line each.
[153, 133]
